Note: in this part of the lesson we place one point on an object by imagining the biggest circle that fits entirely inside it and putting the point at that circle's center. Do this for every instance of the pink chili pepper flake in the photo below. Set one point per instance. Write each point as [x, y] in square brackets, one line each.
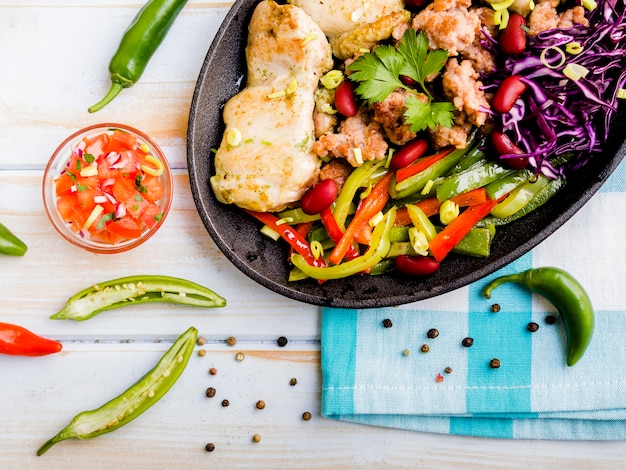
[439, 378]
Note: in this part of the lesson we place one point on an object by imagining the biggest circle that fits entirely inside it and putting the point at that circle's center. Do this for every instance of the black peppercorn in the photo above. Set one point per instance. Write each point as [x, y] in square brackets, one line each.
[225, 403]
[293, 381]
[387, 323]
[532, 326]
[306, 416]
[260, 404]
[550, 319]
[210, 447]
[495, 308]
[425, 348]
[494, 363]
[282, 341]
[448, 370]
[432, 333]
[467, 342]
[210, 392]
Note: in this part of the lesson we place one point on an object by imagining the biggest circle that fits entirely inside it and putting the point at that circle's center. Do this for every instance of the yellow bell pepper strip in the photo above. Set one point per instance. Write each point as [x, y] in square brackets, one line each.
[567, 295]
[453, 233]
[290, 235]
[357, 178]
[134, 401]
[376, 252]
[368, 208]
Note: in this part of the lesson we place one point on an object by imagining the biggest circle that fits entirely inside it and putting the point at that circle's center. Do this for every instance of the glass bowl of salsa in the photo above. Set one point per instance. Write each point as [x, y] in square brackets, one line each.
[107, 188]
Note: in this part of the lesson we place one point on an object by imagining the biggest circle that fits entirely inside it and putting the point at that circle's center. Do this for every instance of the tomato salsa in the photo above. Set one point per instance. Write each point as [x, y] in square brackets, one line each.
[110, 189]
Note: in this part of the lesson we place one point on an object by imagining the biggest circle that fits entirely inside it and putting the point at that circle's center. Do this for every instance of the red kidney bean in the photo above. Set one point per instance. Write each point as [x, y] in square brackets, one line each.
[345, 98]
[416, 265]
[416, 3]
[408, 81]
[319, 196]
[408, 153]
[503, 145]
[512, 39]
[508, 93]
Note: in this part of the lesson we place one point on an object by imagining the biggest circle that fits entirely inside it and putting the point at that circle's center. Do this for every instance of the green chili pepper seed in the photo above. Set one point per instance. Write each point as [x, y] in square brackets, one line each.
[567, 295]
[134, 401]
[136, 290]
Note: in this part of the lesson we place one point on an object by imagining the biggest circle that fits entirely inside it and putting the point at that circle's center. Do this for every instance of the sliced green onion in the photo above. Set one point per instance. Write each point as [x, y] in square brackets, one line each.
[270, 232]
[573, 48]
[545, 62]
[621, 93]
[575, 71]
[317, 249]
[448, 211]
[332, 79]
[418, 241]
[589, 4]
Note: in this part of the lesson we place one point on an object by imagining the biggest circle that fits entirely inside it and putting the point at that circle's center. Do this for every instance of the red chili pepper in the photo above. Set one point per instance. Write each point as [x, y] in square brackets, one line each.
[290, 235]
[421, 164]
[18, 341]
[371, 205]
[453, 233]
[335, 233]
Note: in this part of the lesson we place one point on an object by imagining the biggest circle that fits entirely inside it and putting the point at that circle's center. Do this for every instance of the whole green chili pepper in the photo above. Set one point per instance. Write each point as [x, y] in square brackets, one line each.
[377, 251]
[567, 295]
[10, 244]
[140, 41]
[134, 401]
[136, 290]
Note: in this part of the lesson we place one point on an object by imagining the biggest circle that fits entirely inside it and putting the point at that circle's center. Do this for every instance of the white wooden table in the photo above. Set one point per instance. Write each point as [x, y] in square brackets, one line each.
[54, 58]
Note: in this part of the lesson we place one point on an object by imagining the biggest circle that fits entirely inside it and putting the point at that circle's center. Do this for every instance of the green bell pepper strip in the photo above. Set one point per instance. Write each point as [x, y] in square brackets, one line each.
[501, 187]
[140, 41]
[538, 200]
[377, 251]
[134, 401]
[472, 178]
[476, 156]
[519, 197]
[418, 181]
[567, 295]
[357, 179]
[476, 243]
[136, 290]
[10, 244]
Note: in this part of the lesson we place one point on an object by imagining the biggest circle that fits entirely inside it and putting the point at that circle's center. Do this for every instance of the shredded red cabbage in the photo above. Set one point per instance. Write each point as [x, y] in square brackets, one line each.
[557, 115]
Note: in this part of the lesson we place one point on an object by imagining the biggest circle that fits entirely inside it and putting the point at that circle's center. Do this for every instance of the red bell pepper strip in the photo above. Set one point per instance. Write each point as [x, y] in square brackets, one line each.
[290, 235]
[369, 207]
[335, 233]
[18, 341]
[421, 164]
[454, 232]
[471, 198]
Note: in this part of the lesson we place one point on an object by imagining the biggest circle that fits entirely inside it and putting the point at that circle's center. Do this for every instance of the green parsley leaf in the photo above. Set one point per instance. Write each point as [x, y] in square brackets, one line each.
[378, 73]
[81, 187]
[104, 219]
[420, 115]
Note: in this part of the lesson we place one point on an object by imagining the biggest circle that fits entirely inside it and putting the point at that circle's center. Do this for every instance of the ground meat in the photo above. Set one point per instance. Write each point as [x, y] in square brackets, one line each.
[357, 132]
[453, 29]
[323, 121]
[390, 113]
[545, 16]
[461, 85]
[481, 58]
[455, 135]
[338, 169]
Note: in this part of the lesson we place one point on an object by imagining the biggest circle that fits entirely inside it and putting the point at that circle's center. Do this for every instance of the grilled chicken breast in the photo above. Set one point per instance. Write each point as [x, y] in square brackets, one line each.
[265, 161]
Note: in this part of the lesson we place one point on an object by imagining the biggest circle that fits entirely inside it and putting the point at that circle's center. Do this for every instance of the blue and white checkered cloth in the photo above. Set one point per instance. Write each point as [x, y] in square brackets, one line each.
[379, 376]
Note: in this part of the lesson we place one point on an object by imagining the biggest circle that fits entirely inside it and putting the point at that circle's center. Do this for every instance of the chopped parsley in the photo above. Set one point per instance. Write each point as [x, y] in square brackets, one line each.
[378, 75]
[140, 187]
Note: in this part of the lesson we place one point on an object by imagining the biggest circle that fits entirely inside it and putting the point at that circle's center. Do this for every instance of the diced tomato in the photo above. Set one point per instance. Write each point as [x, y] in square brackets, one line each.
[85, 198]
[97, 145]
[63, 184]
[136, 205]
[154, 188]
[120, 141]
[123, 189]
[152, 215]
[125, 227]
[66, 205]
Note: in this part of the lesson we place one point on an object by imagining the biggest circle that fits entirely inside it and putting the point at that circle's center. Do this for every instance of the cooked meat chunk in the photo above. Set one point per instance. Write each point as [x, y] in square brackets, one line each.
[356, 135]
[456, 135]
[545, 16]
[481, 58]
[265, 161]
[337, 169]
[390, 113]
[338, 17]
[461, 85]
[453, 29]
[368, 35]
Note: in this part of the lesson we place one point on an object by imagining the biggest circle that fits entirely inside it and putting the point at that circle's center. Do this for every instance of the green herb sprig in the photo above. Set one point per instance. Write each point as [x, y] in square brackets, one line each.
[378, 75]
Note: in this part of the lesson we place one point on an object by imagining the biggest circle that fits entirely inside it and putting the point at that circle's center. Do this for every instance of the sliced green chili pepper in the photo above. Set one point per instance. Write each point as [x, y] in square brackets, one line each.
[352, 184]
[136, 290]
[519, 197]
[501, 187]
[10, 244]
[134, 401]
[567, 295]
[140, 41]
[377, 251]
